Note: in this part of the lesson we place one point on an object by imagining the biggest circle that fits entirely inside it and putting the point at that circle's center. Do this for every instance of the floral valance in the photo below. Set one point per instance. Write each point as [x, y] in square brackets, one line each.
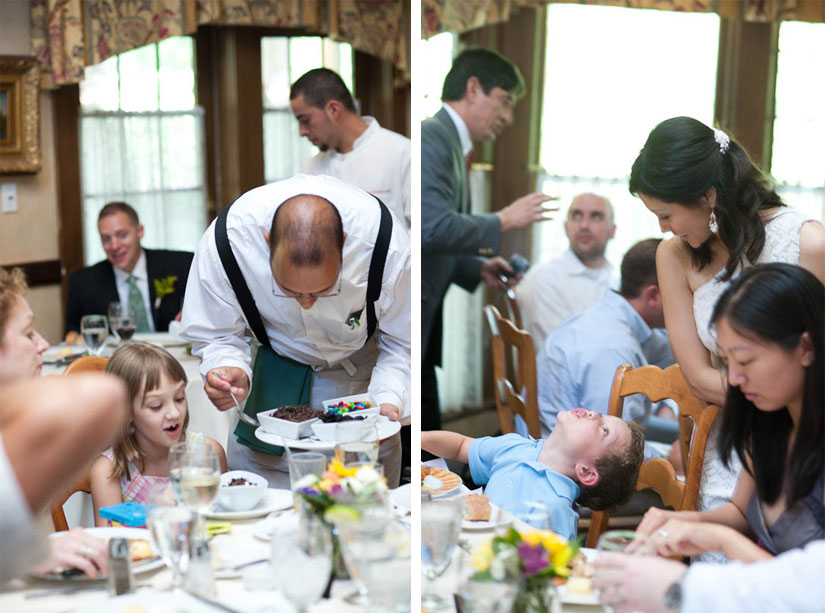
[460, 15]
[68, 35]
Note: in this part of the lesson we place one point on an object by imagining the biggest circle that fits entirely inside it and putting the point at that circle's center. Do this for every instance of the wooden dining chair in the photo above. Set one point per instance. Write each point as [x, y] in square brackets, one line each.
[88, 363]
[83, 484]
[695, 420]
[516, 389]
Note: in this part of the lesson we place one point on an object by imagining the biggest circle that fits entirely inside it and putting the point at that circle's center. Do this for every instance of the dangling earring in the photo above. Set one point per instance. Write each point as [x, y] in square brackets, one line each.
[131, 429]
[714, 227]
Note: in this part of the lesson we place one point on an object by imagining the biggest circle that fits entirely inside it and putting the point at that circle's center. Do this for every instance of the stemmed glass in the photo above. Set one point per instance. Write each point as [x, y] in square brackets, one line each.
[199, 480]
[177, 455]
[362, 543]
[171, 526]
[122, 320]
[94, 331]
[304, 562]
[440, 529]
[357, 452]
[486, 596]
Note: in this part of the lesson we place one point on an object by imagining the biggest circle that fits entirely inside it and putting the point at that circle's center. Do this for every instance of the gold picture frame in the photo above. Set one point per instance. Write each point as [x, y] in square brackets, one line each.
[19, 115]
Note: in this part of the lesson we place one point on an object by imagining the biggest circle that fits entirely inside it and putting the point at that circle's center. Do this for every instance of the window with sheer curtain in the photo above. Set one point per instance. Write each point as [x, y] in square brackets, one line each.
[283, 61]
[142, 142]
[599, 107]
[798, 157]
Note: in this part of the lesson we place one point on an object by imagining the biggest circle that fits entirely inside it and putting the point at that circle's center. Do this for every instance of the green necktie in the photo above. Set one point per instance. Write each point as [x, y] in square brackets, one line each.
[138, 306]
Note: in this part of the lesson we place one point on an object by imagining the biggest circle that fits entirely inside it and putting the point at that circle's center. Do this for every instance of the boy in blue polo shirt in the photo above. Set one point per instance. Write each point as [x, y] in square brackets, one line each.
[588, 457]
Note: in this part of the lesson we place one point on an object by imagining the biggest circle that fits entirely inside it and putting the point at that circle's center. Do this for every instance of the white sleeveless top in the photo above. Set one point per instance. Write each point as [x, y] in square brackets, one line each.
[781, 245]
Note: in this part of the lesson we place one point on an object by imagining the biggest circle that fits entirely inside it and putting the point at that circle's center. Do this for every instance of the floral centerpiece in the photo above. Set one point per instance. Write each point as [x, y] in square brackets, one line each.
[340, 494]
[533, 557]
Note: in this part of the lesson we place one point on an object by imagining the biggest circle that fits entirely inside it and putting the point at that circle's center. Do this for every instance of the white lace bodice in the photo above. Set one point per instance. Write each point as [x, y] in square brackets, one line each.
[781, 245]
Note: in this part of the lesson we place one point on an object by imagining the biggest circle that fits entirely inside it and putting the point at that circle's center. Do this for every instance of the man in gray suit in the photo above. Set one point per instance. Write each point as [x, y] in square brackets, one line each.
[479, 94]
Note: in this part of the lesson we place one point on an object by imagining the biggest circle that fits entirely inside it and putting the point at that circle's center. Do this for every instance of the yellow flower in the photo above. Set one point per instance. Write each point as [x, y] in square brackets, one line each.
[483, 557]
[559, 549]
[338, 468]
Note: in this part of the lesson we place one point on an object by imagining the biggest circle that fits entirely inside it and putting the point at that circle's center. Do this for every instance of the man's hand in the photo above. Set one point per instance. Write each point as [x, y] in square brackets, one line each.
[219, 381]
[391, 411]
[525, 211]
[493, 268]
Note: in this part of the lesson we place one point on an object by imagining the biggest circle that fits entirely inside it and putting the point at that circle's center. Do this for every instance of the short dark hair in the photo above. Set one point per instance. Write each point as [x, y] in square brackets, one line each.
[776, 304]
[319, 86]
[618, 473]
[639, 268]
[110, 208]
[308, 243]
[682, 160]
[490, 68]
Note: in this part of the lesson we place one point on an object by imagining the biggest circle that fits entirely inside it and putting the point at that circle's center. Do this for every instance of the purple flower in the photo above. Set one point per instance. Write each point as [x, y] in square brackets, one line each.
[534, 558]
[336, 489]
[308, 491]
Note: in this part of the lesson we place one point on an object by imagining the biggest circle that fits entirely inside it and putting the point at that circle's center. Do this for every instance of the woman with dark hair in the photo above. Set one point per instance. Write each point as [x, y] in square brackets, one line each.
[769, 327]
[725, 216]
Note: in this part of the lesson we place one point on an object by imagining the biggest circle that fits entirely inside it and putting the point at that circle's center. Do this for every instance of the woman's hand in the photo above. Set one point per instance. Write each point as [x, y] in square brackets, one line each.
[76, 549]
[635, 583]
[654, 519]
[689, 538]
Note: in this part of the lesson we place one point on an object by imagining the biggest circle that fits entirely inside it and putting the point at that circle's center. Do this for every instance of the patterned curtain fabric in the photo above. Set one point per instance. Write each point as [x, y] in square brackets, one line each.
[67, 35]
[459, 15]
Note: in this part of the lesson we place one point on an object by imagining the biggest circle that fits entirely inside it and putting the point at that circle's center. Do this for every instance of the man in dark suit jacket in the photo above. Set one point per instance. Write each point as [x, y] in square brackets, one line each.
[92, 289]
[456, 247]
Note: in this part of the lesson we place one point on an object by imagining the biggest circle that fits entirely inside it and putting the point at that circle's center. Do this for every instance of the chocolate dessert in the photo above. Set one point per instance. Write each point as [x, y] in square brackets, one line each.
[296, 414]
[330, 418]
[239, 481]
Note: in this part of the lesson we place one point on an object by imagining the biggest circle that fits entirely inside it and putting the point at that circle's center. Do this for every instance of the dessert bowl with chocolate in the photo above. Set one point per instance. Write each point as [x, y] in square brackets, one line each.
[343, 428]
[241, 490]
[289, 421]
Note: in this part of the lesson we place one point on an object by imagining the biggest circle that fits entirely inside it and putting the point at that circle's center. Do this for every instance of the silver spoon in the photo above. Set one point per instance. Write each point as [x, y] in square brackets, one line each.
[241, 415]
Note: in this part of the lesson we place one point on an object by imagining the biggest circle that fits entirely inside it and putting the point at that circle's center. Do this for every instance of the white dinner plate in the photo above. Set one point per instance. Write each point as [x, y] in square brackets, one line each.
[497, 518]
[164, 339]
[142, 566]
[273, 500]
[385, 427]
[55, 354]
[283, 521]
[581, 599]
[401, 498]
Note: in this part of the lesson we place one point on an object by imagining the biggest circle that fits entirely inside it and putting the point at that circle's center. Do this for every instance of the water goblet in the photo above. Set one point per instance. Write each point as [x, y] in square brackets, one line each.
[303, 561]
[177, 453]
[94, 331]
[357, 452]
[440, 529]
[172, 526]
[362, 543]
[199, 480]
[122, 320]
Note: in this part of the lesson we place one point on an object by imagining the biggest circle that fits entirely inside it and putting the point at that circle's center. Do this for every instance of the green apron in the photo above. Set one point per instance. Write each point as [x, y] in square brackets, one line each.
[277, 381]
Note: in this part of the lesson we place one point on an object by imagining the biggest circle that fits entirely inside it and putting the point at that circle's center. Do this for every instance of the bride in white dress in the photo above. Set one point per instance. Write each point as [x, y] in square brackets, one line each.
[725, 216]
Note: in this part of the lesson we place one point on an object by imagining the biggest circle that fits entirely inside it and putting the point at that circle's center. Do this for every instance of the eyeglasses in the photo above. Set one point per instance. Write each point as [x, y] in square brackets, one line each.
[277, 291]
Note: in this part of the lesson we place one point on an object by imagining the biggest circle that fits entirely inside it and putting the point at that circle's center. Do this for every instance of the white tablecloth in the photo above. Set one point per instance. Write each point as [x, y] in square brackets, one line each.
[13, 598]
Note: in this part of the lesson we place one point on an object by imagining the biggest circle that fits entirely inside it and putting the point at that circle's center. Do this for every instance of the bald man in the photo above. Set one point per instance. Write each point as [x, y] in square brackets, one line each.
[556, 290]
[305, 252]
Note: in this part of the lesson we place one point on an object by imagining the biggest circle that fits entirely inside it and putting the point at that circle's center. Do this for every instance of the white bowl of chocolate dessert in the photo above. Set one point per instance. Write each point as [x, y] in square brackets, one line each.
[241, 490]
[343, 428]
[290, 421]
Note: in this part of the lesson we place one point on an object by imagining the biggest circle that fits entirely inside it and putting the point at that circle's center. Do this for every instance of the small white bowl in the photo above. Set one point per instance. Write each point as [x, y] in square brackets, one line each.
[375, 410]
[344, 431]
[282, 427]
[241, 497]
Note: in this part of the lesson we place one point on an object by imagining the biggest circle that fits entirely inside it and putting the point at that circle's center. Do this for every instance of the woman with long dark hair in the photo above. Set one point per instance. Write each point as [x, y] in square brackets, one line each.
[769, 328]
[725, 216]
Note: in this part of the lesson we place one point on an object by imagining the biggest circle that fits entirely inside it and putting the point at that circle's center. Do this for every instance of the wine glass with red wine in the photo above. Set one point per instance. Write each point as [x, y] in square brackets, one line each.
[122, 320]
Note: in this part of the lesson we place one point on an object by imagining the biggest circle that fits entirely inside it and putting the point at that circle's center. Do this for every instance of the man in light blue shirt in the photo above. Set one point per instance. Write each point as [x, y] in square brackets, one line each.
[590, 458]
[575, 367]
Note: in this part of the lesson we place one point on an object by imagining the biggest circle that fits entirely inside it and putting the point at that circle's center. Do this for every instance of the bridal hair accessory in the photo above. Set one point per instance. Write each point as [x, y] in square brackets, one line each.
[712, 224]
[723, 140]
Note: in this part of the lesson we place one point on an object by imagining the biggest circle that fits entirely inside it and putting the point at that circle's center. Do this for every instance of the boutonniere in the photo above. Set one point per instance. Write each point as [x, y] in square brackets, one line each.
[164, 287]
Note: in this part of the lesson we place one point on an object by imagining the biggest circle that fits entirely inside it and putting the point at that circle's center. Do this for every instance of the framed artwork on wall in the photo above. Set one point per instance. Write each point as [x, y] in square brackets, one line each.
[19, 115]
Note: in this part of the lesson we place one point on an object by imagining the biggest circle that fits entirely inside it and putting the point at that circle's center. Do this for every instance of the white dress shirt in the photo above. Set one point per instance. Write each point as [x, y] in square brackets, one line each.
[553, 291]
[378, 163]
[319, 337]
[789, 582]
[142, 282]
